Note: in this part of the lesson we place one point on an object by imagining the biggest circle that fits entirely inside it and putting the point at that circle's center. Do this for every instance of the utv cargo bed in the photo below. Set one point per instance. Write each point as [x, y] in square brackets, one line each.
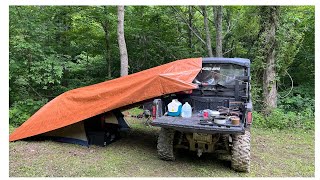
[193, 125]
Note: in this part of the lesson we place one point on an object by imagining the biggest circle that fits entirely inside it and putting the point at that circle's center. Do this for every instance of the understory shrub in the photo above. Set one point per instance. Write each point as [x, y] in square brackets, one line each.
[20, 111]
[294, 111]
[281, 119]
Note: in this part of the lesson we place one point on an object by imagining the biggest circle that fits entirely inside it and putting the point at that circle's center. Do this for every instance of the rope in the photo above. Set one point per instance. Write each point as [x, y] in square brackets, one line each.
[291, 85]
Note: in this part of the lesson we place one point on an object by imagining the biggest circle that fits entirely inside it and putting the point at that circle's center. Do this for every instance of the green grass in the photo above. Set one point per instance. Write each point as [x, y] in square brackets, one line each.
[274, 153]
[135, 111]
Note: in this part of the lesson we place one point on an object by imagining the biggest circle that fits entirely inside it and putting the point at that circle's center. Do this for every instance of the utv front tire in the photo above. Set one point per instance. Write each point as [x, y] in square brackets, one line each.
[240, 157]
[165, 144]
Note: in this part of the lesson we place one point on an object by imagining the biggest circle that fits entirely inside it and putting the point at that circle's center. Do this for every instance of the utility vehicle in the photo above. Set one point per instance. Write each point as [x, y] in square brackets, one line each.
[223, 86]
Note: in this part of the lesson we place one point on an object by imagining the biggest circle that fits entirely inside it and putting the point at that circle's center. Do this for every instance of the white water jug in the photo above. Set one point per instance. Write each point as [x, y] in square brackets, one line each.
[174, 108]
[186, 111]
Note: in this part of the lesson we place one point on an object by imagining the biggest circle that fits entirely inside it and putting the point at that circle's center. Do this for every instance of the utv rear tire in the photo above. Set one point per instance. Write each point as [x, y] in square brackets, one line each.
[165, 144]
[240, 152]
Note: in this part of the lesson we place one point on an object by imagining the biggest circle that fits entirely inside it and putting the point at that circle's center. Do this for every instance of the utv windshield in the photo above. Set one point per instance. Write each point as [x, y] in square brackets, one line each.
[223, 74]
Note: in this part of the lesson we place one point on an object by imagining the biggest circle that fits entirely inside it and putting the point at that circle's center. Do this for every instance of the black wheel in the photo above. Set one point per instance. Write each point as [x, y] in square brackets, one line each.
[240, 152]
[165, 144]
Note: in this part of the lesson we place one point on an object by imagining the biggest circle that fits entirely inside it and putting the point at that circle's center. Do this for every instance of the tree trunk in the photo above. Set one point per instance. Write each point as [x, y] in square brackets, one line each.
[218, 25]
[108, 50]
[206, 26]
[190, 24]
[122, 42]
[105, 26]
[269, 73]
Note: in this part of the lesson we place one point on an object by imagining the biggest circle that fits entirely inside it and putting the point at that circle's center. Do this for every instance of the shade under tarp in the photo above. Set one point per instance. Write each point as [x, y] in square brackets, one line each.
[79, 104]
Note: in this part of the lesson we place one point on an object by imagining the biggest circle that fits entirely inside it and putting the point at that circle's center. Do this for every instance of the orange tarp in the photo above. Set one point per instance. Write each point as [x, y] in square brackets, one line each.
[81, 103]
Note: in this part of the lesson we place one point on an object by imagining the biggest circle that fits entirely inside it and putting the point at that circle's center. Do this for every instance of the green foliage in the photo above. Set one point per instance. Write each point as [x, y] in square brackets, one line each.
[281, 119]
[289, 38]
[11, 128]
[258, 119]
[296, 103]
[300, 98]
[256, 91]
[290, 34]
[57, 48]
[302, 68]
[50, 70]
[85, 71]
[20, 111]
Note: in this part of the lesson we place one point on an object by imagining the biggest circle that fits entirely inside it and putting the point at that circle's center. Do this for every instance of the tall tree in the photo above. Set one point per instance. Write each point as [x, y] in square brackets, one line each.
[106, 28]
[269, 17]
[206, 26]
[218, 25]
[190, 17]
[122, 42]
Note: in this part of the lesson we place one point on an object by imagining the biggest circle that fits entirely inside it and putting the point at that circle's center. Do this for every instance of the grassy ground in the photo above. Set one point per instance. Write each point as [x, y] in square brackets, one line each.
[274, 153]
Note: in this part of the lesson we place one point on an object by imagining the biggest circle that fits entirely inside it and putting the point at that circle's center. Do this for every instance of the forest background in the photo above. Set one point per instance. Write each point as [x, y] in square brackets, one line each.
[54, 49]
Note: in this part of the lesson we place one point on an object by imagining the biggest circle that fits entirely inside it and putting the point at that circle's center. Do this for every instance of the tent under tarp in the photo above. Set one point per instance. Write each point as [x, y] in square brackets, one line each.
[81, 104]
[99, 130]
[74, 133]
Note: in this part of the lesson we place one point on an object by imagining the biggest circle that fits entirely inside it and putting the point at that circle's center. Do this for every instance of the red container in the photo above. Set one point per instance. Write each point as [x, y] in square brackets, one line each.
[205, 114]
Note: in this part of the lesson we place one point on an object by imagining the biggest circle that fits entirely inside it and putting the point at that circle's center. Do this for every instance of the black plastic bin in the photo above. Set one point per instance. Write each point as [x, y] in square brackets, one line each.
[96, 138]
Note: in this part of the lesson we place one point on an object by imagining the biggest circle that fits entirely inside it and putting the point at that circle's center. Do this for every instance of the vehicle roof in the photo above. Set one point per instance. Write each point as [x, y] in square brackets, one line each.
[238, 61]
